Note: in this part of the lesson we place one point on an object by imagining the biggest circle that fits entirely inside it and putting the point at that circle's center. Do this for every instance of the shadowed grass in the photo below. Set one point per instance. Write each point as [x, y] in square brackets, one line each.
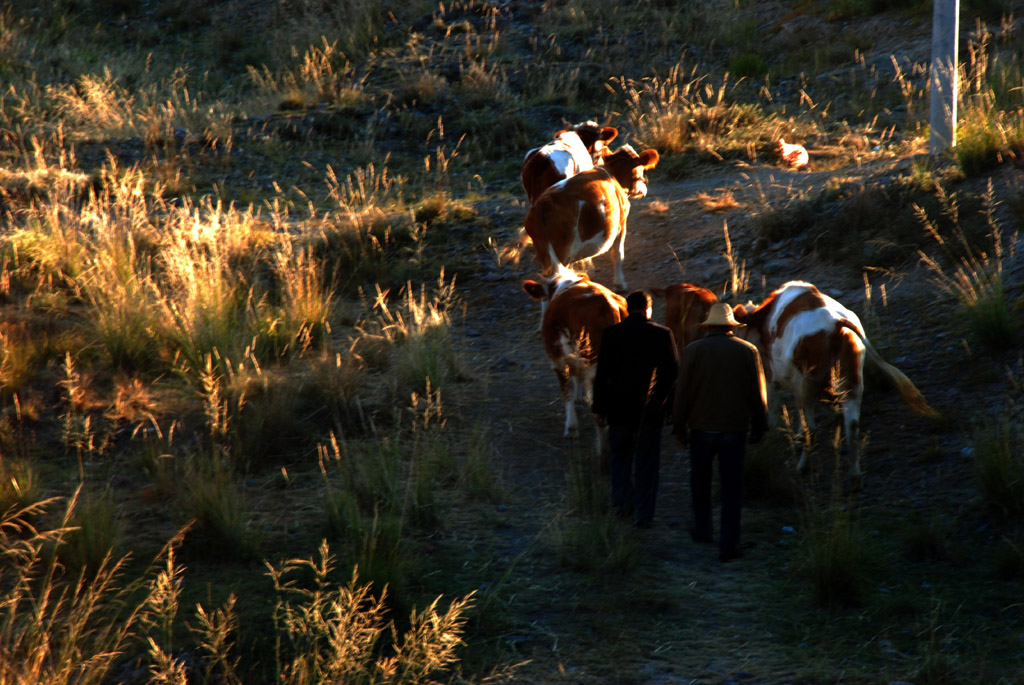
[974, 276]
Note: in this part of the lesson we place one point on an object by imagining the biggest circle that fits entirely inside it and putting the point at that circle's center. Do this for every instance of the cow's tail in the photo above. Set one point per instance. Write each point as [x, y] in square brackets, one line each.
[908, 391]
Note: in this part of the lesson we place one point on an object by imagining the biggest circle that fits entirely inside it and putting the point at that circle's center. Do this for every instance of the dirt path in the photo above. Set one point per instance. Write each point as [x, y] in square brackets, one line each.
[680, 616]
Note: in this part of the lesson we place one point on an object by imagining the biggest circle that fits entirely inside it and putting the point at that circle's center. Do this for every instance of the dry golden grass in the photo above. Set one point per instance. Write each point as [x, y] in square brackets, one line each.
[719, 203]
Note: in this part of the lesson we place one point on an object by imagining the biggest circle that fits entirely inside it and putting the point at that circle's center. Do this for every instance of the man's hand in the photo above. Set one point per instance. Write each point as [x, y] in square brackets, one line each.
[682, 437]
[601, 420]
[755, 436]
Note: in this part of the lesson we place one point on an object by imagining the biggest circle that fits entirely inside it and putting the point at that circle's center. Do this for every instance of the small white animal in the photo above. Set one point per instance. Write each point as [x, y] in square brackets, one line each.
[793, 155]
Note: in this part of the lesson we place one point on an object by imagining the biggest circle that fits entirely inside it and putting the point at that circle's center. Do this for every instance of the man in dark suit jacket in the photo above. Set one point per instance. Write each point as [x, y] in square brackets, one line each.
[636, 369]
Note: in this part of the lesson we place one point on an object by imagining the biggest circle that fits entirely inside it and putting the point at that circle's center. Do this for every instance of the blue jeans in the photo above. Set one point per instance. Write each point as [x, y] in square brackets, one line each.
[730, 448]
[635, 461]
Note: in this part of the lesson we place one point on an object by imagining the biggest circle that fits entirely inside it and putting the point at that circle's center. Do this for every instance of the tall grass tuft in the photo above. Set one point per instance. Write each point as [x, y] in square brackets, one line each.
[20, 486]
[203, 298]
[121, 294]
[975, 278]
[589, 536]
[214, 630]
[96, 533]
[301, 318]
[215, 504]
[991, 131]
[57, 627]
[323, 75]
[739, 279]
[837, 556]
[366, 505]
[420, 329]
[331, 633]
[683, 112]
[476, 471]
[999, 463]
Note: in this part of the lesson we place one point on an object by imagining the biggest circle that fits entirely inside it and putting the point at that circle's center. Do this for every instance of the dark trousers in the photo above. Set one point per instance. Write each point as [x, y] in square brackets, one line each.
[635, 461]
[730, 449]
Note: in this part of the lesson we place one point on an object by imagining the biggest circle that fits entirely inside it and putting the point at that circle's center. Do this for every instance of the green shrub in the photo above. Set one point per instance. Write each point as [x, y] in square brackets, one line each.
[96, 534]
[748, 65]
[837, 555]
[19, 485]
[999, 464]
[215, 504]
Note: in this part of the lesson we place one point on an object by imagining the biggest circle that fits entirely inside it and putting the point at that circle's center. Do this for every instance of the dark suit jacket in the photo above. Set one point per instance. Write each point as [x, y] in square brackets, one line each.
[636, 369]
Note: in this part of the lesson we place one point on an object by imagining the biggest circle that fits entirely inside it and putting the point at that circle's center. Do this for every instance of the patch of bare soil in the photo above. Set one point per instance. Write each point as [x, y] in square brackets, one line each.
[680, 615]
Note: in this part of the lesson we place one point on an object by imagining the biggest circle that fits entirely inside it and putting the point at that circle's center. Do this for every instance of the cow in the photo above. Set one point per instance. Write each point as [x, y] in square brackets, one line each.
[584, 215]
[578, 311]
[815, 347]
[686, 306]
[572, 151]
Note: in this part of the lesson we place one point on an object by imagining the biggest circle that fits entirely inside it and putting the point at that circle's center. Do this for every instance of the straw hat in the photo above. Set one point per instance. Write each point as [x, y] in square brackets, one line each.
[720, 314]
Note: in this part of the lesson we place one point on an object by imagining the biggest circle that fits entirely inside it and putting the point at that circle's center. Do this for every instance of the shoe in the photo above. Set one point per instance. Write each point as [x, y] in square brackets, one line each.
[729, 555]
[701, 539]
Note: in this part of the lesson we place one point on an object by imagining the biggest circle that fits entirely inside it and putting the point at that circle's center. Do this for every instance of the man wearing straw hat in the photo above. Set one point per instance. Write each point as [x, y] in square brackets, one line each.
[720, 397]
[636, 367]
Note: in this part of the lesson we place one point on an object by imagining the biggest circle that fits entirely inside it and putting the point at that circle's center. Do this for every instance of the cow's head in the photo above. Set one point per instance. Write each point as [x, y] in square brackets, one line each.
[595, 138]
[751, 316]
[627, 167]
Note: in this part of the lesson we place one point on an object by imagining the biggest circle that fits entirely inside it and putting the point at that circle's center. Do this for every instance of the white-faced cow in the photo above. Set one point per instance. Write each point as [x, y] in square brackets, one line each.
[686, 306]
[585, 215]
[578, 311]
[572, 151]
[815, 347]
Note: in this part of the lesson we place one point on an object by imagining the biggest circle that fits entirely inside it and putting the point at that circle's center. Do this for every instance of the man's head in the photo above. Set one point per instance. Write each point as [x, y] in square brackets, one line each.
[639, 301]
[720, 316]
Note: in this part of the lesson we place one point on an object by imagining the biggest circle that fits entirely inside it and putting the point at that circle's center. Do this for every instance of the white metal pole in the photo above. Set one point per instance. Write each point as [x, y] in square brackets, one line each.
[943, 77]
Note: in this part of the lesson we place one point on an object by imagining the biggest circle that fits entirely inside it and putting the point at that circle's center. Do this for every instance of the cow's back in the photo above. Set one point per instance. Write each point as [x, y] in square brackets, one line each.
[686, 307]
[572, 215]
[545, 166]
[578, 316]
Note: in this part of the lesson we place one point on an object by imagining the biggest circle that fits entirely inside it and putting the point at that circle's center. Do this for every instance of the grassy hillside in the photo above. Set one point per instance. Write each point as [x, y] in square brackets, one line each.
[239, 431]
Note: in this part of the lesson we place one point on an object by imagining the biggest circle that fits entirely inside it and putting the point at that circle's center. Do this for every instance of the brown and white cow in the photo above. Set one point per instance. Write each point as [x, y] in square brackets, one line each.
[815, 347]
[585, 215]
[686, 306]
[578, 311]
[572, 151]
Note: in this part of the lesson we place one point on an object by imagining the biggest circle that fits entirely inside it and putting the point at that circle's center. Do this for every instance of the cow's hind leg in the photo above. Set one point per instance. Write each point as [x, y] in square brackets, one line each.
[586, 373]
[850, 390]
[806, 404]
[851, 425]
[618, 255]
[806, 435]
[851, 421]
[567, 384]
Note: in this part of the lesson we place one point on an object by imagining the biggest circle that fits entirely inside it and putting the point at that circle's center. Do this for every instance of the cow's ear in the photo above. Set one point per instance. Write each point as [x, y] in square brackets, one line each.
[534, 290]
[608, 133]
[649, 158]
